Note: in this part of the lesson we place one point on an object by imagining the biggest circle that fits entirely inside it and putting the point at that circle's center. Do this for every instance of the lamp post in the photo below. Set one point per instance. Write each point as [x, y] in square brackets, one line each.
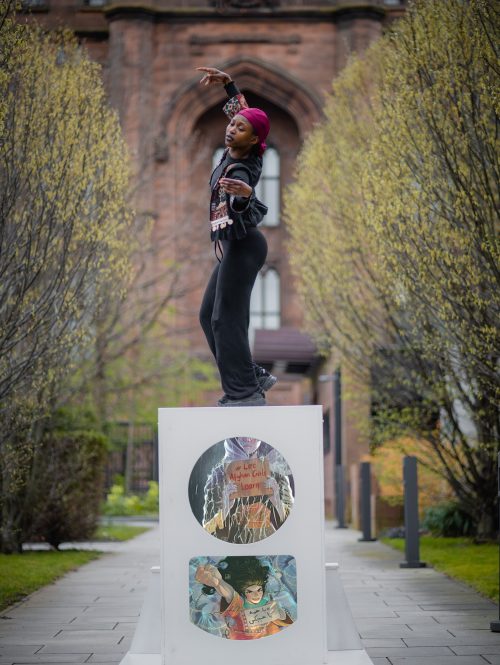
[338, 477]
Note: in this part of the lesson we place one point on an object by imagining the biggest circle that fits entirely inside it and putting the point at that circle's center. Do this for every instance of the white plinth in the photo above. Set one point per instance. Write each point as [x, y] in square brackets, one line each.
[323, 631]
[333, 658]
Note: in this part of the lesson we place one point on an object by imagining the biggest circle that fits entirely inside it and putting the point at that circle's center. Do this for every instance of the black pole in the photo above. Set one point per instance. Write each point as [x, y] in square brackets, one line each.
[366, 507]
[339, 469]
[337, 406]
[495, 625]
[412, 543]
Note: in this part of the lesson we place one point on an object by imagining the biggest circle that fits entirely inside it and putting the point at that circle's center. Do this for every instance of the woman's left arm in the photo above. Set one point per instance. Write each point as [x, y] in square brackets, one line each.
[236, 100]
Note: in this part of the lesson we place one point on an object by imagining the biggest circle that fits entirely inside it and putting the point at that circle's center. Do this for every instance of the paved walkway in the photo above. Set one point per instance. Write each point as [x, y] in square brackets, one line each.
[411, 616]
[89, 615]
[405, 617]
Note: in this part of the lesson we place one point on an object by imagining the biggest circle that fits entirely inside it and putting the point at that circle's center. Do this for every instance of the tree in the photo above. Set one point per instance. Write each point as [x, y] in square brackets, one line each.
[140, 358]
[414, 296]
[64, 241]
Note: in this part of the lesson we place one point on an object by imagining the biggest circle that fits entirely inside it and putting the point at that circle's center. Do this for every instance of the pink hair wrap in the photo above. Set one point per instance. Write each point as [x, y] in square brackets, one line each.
[260, 123]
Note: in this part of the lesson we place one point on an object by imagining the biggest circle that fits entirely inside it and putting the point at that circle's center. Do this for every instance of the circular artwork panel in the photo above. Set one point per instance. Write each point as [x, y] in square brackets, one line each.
[241, 490]
[243, 597]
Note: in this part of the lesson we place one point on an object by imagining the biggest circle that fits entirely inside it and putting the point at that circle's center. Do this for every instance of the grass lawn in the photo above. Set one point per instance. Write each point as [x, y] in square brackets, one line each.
[120, 532]
[21, 574]
[476, 565]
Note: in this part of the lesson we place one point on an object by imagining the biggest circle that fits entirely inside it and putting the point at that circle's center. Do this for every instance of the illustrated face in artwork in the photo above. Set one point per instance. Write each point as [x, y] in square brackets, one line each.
[249, 445]
[241, 490]
[254, 593]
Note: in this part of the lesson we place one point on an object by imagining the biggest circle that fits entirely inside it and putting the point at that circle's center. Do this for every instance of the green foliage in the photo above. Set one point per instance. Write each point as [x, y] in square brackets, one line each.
[151, 500]
[65, 243]
[21, 574]
[66, 487]
[394, 233]
[118, 532]
[448, 519]
[71, 419]
[118, 503]
[63, 180]
[461, 558]
[387, 464]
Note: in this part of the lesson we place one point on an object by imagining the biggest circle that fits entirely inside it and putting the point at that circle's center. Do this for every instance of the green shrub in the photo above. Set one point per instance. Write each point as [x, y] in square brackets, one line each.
[151, 500]
[448, 519]
[67, 485]
[115, 501]
[118, 503]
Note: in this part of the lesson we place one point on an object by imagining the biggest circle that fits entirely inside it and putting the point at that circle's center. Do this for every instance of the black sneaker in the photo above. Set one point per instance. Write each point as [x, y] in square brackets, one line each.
[256, 399]
[265, 379]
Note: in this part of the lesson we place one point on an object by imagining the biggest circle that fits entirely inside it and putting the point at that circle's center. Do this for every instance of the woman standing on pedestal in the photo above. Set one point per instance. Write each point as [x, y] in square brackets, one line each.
[234, 214]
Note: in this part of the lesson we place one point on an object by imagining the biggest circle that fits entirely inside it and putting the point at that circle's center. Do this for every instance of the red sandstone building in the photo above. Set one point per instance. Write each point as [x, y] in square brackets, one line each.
[283, 54]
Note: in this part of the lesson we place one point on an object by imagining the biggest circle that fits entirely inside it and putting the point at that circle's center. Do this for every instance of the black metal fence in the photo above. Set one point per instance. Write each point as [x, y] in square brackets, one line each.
[133, 455]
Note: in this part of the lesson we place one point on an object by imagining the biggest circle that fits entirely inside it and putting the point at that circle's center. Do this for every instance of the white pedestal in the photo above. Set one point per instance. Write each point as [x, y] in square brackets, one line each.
[323, 631]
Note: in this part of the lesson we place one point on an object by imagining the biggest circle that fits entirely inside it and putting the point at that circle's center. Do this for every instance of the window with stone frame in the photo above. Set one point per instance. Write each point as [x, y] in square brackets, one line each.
[269, 185]
[32, 5]
[265, 304]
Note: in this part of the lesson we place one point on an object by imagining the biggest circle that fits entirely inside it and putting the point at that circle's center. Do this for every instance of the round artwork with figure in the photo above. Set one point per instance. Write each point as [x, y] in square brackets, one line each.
[241, 490]
[243, 597]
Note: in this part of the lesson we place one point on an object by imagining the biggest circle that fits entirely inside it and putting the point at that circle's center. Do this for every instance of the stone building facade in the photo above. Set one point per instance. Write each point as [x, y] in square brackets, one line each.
[283, 54]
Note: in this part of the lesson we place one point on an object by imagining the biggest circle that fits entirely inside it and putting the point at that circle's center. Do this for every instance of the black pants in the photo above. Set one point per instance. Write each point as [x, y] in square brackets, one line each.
[225, 312]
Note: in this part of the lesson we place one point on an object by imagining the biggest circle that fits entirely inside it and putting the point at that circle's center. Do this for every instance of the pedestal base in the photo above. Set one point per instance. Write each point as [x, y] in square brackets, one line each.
[142, 659]
[356, 657]
[344, 645]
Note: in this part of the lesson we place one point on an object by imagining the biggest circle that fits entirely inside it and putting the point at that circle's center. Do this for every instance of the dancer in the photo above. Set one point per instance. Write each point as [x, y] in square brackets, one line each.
[235, 213]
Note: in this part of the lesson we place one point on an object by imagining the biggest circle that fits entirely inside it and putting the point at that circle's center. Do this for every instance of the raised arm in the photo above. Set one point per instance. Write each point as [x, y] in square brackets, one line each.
[236, 100]
[210, 576]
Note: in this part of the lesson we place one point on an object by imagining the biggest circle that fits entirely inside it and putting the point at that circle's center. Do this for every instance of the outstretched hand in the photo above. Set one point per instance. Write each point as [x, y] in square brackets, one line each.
[208, 575]
[213, 75]
[235, 187]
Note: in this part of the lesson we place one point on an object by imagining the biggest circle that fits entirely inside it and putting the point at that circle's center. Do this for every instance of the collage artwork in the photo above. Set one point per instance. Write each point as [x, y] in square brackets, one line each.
[241, 491]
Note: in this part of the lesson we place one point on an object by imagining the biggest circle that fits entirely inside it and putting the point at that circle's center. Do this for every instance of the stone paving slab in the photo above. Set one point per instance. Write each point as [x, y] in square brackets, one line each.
[119, 650]
[439, 640]
[485, 650]
[409, 652]
[383, 642]
[439, 660]
[402, 630]
[51, 659]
